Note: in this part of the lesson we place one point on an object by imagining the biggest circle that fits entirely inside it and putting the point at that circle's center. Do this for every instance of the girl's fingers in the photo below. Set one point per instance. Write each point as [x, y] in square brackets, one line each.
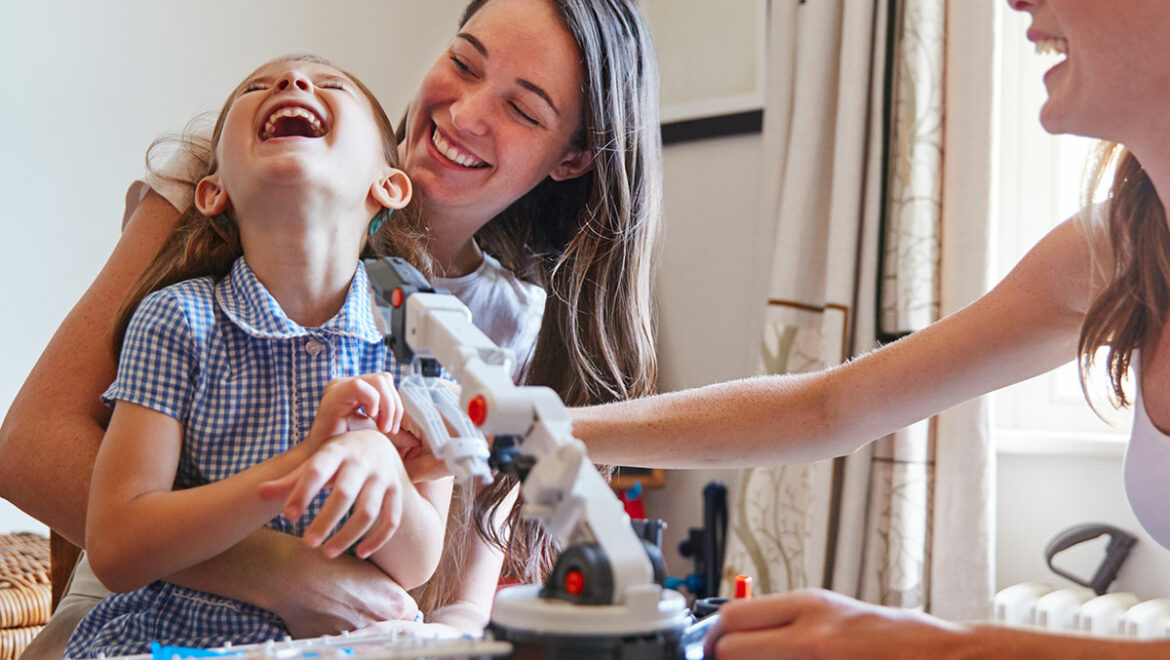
[363, 516]
[342, 398]
[395, 403]
[383, 382]
[384, 526]
[347, 485]
[315, 476]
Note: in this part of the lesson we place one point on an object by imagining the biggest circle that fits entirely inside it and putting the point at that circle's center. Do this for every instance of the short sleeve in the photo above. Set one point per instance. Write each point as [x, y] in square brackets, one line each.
[157, 367]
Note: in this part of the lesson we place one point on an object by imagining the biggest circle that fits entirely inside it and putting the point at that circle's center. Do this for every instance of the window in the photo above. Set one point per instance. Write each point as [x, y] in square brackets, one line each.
[1041, 182]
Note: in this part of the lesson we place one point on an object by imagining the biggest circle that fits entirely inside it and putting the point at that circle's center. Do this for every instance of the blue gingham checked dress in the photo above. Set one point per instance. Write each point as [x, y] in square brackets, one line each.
[245, 381]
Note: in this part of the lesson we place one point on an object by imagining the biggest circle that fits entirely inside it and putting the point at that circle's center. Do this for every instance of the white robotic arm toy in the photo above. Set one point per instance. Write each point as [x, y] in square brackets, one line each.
[606, 587]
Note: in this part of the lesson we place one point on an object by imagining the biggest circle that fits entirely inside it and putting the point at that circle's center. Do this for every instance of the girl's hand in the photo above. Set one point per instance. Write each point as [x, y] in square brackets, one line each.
[365, 472]
[420, 463]
[375, 394]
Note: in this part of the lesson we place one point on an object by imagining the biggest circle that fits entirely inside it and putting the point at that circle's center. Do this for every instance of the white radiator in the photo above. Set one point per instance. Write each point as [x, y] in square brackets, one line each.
[1079, 609]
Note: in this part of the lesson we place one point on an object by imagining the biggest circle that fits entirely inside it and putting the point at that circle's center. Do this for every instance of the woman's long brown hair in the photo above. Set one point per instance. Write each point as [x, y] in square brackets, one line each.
[1131, 307]
[588, 242]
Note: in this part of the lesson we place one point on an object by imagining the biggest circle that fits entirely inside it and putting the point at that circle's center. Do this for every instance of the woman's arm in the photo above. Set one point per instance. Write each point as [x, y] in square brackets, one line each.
[50, 436]
[1025, 326]
[139, 529]
[822, 624]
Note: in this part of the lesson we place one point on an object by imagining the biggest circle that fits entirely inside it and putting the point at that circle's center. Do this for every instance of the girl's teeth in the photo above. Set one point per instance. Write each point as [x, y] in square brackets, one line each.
[449, 150]
[292, 111]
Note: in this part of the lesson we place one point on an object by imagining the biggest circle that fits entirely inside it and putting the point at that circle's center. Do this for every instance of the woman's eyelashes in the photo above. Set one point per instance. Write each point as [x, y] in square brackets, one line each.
[517, 111]
[525, 116]
[461, 65]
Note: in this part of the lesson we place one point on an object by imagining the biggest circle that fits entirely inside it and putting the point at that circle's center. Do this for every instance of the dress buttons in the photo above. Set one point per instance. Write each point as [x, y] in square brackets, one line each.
[314, 347]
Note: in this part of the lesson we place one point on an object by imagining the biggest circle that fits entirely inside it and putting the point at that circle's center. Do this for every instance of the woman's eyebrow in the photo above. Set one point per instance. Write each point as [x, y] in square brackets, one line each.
[526, 84]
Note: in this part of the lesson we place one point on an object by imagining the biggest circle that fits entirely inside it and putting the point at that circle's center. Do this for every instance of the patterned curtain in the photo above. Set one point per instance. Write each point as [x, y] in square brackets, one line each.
[854, 116]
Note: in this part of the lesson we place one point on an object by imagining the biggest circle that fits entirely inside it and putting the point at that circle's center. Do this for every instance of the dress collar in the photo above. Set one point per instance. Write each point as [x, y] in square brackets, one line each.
[251, 307]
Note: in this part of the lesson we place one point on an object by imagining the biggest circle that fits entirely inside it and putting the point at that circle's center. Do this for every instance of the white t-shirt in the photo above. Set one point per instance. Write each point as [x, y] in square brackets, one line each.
[1147, 462]
[507, 309]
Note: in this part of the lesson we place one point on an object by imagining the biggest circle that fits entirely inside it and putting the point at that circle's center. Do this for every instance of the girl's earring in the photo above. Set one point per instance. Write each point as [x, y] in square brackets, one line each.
[224, 219]
[379, 220]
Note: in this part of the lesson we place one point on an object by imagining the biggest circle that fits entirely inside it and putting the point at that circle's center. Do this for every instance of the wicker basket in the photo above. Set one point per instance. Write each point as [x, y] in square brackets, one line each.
[25, 593]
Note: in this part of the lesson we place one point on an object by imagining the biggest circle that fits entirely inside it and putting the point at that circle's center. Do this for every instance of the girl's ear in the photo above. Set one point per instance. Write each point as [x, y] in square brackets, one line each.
[210, 197]
[393, 189]
[574, 164]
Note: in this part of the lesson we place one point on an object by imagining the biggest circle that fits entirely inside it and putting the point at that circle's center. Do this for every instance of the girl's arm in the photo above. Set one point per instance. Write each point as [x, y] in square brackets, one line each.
[412, 553]
[1026, 325]
[479, 565]
[139, 530]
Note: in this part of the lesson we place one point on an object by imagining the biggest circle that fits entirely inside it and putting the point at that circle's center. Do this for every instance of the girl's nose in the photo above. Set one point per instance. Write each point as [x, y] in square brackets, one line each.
[293, 78]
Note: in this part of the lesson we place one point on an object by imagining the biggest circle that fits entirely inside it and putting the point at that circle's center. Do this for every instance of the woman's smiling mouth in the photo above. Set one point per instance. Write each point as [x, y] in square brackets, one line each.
[452, 152]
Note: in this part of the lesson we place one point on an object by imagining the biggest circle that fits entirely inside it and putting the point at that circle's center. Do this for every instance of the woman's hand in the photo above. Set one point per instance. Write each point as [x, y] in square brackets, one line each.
[365, 472]
[348, 400]
[331, 596]
[814, 623]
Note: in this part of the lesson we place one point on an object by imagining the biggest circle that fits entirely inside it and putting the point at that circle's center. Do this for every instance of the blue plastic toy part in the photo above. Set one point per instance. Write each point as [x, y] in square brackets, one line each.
[635, 491]
[693, 583]
[160, 652]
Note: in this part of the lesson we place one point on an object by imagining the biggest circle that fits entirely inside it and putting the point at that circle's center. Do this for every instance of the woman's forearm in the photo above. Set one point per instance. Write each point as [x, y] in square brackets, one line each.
[54, 426]
[313, 594]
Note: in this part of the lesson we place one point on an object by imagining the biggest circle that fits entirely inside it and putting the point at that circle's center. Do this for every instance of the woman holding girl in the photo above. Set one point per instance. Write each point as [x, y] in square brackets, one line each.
[254, 311]
[534, 139]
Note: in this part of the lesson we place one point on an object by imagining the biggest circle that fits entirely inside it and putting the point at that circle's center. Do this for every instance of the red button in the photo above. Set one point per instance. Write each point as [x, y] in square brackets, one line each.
[574, 583]
[743, 586]
[477, 410]
[396, 298]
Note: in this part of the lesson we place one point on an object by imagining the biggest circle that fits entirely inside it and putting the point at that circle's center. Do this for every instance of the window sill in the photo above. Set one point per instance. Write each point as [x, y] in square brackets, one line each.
[1018, 442]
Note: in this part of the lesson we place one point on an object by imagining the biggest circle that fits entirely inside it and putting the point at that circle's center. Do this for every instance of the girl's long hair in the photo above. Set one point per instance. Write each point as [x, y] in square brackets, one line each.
[588, 242]
[200, 246]
[1128, 312]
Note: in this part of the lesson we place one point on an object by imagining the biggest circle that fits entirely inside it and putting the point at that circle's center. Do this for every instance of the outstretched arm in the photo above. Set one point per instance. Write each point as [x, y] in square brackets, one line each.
[1025, 326]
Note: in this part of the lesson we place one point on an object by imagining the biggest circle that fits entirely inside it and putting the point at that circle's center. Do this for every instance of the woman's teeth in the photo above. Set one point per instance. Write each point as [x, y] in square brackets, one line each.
[450, 151]
[1052, 46]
